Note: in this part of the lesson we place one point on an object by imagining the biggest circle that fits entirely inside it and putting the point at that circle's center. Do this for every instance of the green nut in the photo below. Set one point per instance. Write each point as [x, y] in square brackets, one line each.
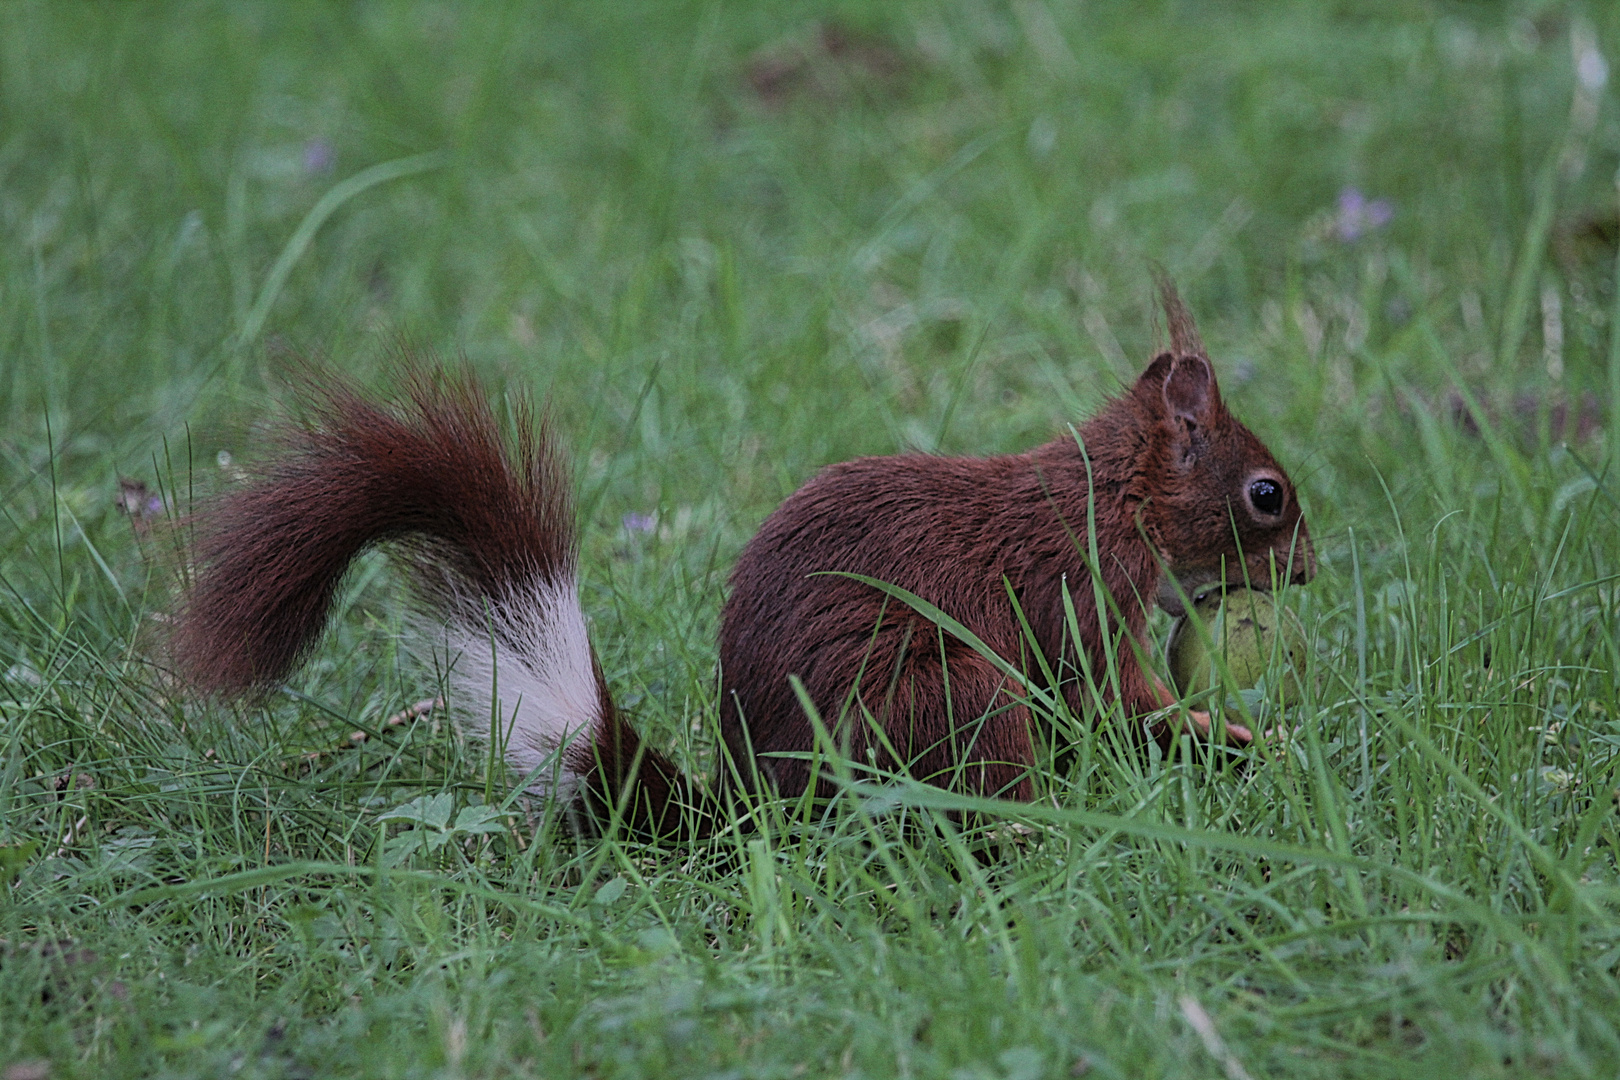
[1256, 639]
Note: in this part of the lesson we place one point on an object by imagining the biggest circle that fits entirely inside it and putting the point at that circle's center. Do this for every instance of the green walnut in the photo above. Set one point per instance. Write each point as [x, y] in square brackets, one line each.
[1257, 639]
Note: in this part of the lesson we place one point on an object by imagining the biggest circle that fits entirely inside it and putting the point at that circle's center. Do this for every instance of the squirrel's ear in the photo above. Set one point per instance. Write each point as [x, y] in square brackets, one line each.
[1190, 393]
[1151, 381]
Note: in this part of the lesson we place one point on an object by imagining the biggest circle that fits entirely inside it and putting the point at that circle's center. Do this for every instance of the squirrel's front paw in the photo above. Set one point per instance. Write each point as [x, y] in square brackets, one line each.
[1204, 727]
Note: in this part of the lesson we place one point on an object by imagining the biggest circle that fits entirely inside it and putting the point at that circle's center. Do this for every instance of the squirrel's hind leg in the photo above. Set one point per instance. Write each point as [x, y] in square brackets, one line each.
[947, 715]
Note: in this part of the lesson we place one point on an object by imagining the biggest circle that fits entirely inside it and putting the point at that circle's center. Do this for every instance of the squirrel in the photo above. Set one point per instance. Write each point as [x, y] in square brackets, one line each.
[1176, 492]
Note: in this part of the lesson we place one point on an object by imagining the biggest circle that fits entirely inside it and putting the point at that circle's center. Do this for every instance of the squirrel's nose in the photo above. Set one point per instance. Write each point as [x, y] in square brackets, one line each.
[1301, 560]
[1294, 562]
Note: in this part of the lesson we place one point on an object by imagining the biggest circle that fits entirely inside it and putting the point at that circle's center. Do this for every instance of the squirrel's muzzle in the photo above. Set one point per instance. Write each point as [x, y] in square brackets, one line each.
[1297, 563]
[1294, 564]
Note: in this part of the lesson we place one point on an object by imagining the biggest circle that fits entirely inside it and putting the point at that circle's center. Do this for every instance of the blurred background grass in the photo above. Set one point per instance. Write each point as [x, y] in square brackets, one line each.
[731, 243]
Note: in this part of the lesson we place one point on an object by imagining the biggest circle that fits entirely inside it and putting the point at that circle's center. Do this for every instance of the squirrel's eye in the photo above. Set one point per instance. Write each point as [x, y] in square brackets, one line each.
[1267, 496]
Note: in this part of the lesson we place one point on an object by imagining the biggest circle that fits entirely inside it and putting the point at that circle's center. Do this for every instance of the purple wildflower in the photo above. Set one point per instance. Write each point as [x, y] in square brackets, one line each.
[140, 502]
[319, 157]
[639, 523]
[1358, 215]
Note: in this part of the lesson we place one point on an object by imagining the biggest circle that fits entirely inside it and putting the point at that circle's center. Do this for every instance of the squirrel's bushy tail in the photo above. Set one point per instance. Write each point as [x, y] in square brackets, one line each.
[486, 533]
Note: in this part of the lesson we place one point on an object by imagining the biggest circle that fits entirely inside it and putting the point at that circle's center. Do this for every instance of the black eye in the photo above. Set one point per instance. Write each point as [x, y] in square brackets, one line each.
[1267, 497]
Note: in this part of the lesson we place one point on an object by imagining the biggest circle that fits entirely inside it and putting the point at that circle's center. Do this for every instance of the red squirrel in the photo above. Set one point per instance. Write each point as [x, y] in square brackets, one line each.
[1182, 494]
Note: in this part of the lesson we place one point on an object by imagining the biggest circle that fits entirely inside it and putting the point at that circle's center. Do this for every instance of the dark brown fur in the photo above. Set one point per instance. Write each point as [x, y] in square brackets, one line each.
[1164, 491]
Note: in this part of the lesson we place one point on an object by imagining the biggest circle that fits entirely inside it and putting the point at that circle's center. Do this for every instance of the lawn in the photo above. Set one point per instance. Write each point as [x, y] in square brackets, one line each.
[729, 244]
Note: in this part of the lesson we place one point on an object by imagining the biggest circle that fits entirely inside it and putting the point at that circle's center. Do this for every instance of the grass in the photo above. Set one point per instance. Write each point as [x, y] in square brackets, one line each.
[729, 248]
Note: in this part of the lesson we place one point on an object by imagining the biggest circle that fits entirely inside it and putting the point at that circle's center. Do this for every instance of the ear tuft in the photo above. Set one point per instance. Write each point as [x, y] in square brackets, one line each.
[1184, 339]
